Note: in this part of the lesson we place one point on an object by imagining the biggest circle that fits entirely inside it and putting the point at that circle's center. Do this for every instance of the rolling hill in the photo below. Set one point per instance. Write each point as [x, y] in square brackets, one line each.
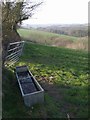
[53, 39]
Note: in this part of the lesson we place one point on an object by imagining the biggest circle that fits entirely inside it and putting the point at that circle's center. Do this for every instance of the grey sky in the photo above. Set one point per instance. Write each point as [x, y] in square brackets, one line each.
[61, 11]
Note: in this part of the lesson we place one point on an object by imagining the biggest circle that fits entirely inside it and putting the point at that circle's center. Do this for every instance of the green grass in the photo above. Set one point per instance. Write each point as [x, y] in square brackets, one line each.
[44, 37]
[30, 32]
[62, 72]
[53, 39]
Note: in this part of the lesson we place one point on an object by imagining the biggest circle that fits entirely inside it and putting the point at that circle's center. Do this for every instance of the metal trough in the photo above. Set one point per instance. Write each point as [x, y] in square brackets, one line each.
[31, 90]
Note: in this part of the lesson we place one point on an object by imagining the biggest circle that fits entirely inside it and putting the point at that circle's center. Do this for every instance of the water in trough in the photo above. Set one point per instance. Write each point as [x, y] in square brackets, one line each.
[27, 83]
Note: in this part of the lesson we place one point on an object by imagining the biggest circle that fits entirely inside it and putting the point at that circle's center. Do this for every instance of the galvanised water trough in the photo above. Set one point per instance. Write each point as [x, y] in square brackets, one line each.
[31, 90]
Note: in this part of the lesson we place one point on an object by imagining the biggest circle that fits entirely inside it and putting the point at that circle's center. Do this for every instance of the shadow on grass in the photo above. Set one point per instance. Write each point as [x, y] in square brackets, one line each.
[60, 100]
[54, 56]
[63, 75]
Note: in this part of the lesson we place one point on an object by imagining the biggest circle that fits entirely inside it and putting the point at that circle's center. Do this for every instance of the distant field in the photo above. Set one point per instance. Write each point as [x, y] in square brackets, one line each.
[62, 72]
[53, 39]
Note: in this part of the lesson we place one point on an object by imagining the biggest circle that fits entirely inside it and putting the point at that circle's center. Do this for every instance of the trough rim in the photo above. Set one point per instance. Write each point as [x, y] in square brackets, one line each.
[27, 94]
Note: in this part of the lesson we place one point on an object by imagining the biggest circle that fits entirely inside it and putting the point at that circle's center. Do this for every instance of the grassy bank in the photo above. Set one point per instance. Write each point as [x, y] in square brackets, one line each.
[62, 72]
[53, 39]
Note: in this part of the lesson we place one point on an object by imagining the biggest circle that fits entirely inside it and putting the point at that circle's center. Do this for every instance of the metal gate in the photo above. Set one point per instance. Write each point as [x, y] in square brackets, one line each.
[14, 51]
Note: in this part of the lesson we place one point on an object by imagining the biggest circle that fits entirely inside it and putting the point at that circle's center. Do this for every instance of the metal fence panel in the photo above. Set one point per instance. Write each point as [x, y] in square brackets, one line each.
[14, 51]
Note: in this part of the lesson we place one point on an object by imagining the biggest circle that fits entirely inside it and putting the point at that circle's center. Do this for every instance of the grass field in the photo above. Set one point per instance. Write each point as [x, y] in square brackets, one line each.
[62, 72]
[53, 39]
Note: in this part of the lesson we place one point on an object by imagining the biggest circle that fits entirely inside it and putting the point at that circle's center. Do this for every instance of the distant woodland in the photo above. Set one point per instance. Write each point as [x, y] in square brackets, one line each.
[72, 30]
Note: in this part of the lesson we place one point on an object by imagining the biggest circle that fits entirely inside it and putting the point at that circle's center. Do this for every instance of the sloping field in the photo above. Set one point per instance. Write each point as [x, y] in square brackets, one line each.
[63, 73]
[53, 39]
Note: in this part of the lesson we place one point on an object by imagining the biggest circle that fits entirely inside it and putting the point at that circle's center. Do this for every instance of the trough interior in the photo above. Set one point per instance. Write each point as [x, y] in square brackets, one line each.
[28, 88]
[23, 74]
[27, 82]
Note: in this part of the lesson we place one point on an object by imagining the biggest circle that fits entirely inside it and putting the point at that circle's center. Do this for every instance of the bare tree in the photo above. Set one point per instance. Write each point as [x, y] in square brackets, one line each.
[12, 14]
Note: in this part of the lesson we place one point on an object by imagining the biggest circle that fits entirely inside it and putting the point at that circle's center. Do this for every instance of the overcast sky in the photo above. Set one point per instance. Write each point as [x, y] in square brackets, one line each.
[61, 12]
